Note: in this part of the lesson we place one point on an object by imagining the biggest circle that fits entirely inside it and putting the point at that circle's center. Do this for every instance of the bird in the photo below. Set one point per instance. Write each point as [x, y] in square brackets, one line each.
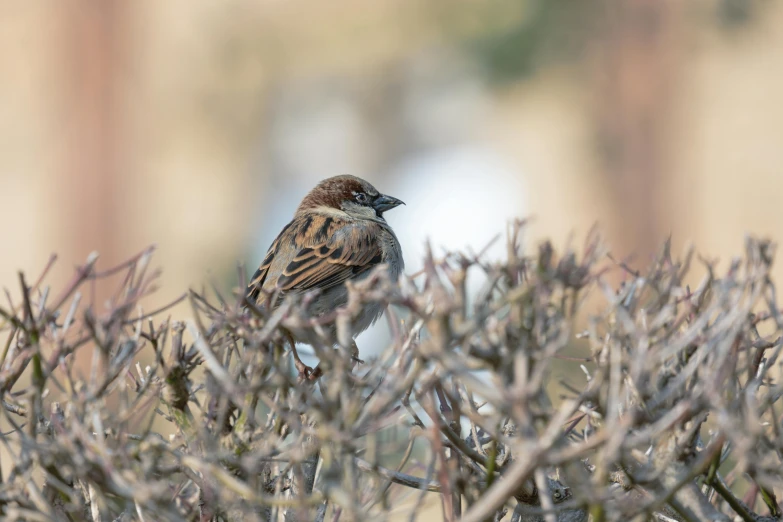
[338, 234]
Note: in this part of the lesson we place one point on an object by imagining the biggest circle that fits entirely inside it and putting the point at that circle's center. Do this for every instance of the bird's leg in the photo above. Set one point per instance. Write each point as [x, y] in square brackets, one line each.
[304, 371]
[317, 372]
[355, 354]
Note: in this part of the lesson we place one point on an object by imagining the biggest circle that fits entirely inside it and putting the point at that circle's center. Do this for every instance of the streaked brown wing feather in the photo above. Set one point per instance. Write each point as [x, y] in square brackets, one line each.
[331, 251]
[349, 251]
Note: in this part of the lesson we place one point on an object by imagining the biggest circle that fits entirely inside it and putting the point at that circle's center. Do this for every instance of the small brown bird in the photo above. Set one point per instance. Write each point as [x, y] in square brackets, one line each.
[338, 234]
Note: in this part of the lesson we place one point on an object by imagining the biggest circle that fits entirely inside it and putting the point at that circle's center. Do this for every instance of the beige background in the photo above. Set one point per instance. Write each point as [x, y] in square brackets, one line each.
[190, 125]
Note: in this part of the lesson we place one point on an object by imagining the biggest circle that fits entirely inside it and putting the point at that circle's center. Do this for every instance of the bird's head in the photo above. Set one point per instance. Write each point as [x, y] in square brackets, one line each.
[352, 195]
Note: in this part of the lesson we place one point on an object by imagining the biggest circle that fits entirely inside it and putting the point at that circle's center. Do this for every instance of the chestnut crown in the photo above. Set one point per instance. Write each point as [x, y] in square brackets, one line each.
[350, 194]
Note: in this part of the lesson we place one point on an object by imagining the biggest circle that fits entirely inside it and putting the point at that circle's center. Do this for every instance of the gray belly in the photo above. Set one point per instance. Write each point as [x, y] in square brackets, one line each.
[337, 297]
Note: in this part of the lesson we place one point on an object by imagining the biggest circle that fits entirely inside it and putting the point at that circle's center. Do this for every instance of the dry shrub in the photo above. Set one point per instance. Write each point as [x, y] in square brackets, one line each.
[674, 414]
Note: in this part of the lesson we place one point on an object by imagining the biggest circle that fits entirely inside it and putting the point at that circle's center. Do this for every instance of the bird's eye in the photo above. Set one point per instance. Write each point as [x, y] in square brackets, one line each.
[361, 197]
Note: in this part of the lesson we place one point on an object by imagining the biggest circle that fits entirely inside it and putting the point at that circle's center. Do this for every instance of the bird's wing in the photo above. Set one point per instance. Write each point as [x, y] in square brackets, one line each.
[259, 278]
[330, 251]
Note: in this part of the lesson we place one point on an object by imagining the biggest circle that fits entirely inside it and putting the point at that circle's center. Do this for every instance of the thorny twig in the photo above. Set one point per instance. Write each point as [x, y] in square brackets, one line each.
[478, 398]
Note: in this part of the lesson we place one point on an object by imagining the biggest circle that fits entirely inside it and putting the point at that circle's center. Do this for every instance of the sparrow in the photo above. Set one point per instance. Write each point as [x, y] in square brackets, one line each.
[338, 234]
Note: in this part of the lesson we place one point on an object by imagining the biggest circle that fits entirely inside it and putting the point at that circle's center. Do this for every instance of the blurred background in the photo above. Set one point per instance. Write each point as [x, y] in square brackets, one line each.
[199, 126]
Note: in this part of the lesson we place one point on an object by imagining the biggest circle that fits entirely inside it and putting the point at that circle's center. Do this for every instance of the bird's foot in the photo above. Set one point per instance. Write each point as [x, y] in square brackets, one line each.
[305, 372]
[316, 373]
[308, 374]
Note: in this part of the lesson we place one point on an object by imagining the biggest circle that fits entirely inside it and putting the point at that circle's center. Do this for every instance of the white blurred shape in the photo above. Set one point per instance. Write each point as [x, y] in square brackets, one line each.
[457, 198]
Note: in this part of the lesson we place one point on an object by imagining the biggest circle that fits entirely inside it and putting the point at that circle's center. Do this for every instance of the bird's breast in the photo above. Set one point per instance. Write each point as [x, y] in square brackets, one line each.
[392, 254]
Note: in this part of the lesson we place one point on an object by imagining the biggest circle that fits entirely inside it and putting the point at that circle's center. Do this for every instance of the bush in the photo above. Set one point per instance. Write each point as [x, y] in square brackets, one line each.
[674, 413]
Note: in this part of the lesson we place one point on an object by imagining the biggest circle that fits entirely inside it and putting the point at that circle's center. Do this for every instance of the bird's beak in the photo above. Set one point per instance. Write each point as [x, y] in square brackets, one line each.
[383, 203]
